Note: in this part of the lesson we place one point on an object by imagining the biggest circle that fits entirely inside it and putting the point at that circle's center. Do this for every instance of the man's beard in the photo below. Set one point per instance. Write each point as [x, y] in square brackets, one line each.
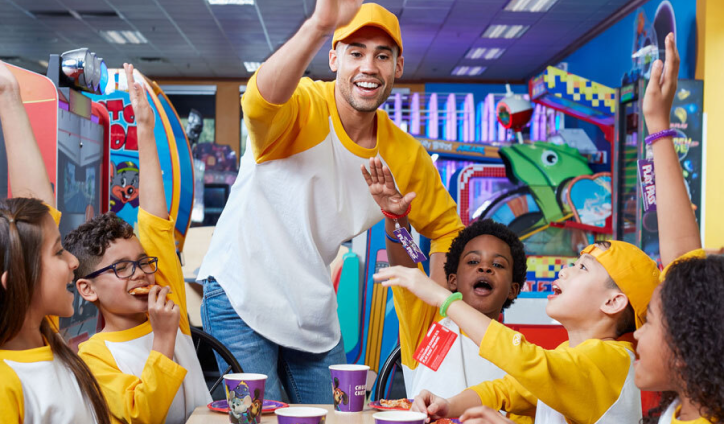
[361, 106]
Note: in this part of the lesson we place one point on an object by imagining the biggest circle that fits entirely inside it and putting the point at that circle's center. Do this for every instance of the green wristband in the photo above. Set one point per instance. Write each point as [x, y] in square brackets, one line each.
[446, 304]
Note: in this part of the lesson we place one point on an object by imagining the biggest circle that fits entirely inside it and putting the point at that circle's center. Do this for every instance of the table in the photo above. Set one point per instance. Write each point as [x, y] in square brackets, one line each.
[203, 415]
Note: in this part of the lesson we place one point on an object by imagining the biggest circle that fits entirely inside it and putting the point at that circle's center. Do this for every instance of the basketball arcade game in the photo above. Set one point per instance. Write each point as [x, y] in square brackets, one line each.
[72, 133]
[83, 139]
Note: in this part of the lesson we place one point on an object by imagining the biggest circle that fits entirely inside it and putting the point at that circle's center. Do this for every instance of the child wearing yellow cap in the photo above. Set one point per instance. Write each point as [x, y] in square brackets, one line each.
[684, 331]
[585, 380]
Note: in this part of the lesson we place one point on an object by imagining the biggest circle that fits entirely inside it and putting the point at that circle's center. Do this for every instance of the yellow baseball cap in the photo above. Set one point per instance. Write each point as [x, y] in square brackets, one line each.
[371, 14]
[633, 271]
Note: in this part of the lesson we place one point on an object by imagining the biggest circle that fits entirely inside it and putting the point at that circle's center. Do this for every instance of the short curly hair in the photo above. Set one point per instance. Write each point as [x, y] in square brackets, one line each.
[692, 296]
[90, 241]
[483, 227]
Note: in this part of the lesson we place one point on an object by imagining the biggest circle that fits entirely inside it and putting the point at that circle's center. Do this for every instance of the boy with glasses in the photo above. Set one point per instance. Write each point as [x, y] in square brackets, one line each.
[144, 358]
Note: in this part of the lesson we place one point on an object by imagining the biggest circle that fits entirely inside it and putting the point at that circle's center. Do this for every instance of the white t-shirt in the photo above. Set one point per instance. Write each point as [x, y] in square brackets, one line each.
[298, 196]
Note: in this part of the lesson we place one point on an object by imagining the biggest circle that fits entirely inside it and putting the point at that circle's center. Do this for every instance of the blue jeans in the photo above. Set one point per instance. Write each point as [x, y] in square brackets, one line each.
[304, 376]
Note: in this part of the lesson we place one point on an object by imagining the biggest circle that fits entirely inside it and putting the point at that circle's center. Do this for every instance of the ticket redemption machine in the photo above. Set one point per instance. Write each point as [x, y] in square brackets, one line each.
[172, 145]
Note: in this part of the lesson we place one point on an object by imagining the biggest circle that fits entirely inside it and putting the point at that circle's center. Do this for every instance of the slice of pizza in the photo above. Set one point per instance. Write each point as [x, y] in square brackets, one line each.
[444, 421]
[396, 403]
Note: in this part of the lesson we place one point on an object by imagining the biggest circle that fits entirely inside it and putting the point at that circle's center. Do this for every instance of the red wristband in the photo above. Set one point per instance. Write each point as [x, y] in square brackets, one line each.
[393, 216]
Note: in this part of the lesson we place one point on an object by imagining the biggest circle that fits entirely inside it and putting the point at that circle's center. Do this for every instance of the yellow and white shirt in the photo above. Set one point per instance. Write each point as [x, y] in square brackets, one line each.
[590, 383]
[140, 384]
[672, 412]
[36, 387]
[462, 365]
[298, 196]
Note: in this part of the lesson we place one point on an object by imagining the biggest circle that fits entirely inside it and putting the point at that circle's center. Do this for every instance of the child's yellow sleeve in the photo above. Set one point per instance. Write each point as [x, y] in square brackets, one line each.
[157, 238]
[132, 399]
[696, 253]
[562, 378]
[506, 394]
[415, 318]
[12, 402]
[53, 320]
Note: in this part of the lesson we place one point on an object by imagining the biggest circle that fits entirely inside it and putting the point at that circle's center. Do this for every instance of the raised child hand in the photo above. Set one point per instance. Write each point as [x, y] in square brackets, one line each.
[164, 315]
[660, 92]
[428, 403]
[415, 281]
[8, 83]
[139, 101]
[382, 188]
[483, 415]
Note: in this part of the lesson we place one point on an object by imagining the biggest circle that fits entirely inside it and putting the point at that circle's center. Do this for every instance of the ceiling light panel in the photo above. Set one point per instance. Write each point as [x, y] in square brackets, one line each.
[488, 53]
[123, 37]
[252, 66]
[505, 31]
[231, 2]
[468, 71]
[530, 5]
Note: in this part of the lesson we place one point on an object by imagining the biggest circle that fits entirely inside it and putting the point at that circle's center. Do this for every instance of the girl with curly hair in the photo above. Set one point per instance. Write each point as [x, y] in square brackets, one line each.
[680, 344]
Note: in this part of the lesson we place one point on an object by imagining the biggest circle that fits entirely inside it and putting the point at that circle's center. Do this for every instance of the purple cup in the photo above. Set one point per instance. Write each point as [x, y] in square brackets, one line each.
[301, 415]
[395, 417]
[245, 396]
[349, 387]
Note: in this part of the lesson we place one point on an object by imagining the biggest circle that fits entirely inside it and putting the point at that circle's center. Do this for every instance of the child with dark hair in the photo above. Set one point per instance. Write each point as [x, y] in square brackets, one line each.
[144, 358]
[41, 378]
[681, 343]
[486, 264]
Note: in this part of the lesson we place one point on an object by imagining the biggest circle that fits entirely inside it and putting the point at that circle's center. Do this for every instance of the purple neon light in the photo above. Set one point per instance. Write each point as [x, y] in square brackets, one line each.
[415, 111]
[433, 117]
[398, 109]
[469, 118]
[450, 118]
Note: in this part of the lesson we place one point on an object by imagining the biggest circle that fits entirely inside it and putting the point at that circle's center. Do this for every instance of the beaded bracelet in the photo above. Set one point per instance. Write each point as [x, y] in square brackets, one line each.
[650, 139]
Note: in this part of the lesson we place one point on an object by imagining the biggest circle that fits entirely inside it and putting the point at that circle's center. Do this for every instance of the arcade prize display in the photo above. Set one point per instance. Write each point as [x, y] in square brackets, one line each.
[72, 133]
[634, 176]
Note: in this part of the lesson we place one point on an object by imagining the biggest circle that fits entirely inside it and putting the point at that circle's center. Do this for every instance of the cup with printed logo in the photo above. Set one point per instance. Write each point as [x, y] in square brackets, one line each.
[245, 396]
[301, 415]
[399, 417]
[349, 387]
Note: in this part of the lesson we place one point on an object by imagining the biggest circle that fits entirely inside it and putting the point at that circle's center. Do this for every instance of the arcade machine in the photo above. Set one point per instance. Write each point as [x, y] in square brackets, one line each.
[633, 178]
[73, 135]
[173, 151]
[549, 193]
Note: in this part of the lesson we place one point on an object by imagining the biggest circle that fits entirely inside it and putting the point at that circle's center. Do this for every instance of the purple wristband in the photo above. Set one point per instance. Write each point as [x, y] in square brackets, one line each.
[661, 134]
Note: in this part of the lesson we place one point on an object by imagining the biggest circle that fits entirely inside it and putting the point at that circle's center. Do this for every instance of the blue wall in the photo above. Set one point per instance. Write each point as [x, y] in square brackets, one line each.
[606, 58]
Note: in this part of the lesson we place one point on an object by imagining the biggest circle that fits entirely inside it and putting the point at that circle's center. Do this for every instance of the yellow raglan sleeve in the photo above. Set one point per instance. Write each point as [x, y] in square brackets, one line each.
[12, 402]
[54, 320]
[132, 399]
[506, 394]
[696, 253]
[581, 383]
[157, 238]
[434, 213]
[415, 318]
[278, 131]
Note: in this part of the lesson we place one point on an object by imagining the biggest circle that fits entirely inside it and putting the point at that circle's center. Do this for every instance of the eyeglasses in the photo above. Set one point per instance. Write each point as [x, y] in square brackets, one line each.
[125, 269]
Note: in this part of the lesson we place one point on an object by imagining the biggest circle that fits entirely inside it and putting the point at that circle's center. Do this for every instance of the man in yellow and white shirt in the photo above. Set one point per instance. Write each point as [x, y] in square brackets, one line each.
[268, 295]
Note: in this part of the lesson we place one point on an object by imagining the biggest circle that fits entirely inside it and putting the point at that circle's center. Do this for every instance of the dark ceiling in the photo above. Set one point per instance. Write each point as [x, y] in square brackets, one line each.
[193, 39]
